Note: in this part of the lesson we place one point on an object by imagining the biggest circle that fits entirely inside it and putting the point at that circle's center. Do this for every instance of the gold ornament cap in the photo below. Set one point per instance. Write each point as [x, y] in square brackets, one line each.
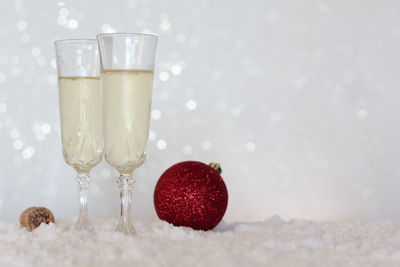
[216, 167]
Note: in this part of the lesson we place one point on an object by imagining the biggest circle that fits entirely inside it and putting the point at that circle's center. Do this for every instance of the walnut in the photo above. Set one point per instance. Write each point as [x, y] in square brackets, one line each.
[34, 216]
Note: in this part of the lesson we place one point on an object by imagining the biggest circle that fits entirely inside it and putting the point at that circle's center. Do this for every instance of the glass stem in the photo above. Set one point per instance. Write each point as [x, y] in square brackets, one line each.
[125, 183]
[84, 181]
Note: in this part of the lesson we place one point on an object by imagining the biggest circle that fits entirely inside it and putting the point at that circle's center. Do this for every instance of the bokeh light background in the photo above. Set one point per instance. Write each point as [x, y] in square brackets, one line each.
[298, 100]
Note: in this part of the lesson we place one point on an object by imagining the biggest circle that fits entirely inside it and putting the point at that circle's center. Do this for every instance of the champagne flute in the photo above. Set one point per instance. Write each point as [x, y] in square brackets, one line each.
[127, 64]
[80, 97]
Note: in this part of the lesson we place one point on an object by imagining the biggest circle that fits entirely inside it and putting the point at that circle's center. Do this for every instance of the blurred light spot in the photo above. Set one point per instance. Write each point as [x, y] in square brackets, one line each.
[161, 144]
[164, 76]
[174, 55]
[61, 20]
[337, 89]
[235, 112]
[60, 3]
[146, 31]
[25, 38]
[131, 3]
[191, 105]
[362, 114]
[3, 59]
[176, 69]
[64, 12]
[41, 61]
[181, 63]
[145, 13]
[3, 107]
[275, 116]
[187, 150]
[206, 145]
[46, 128]
[194, 40]
[105, 173]
[14, 133]
[22, 179]
[3, 77]
[180, 38]
[319, 164]
[190, 92]
[245, 168]
[73, 24]
[361, 102]
[79, 60]
[255, 71]
[28, 152]
[14, 60]
[152, 135]
[249, 135]
[155, 114]
[273, 15]
[140, 23]
[164, 95]
[222, 105]
[50, 190]
[56, 127]
[41, 130]
[53, 63]
[323, 7]
[21, 25]
[18, 145]
[366, 193]
[16, 196]
[250, 146]
[52, 79]
[35, 51]
[298, 85]
[216, 74]
[281, 167]
[18, 6]
[165, 25]
[15, 71]
[164, 16]
[106, 28]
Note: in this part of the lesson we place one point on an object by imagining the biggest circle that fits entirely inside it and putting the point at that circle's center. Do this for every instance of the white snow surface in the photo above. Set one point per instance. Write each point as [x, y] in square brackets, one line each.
[273, 242]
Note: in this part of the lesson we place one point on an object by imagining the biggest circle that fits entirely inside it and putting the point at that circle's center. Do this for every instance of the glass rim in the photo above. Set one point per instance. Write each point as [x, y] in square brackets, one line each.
[127, 33]
[75, 40]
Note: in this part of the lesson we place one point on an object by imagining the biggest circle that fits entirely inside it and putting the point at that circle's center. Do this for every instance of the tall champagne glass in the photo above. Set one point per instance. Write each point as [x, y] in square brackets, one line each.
[80, 97]
[127, 64]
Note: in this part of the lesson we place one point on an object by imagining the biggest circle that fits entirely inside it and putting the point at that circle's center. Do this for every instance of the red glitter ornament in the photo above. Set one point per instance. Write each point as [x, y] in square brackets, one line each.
[192, 194]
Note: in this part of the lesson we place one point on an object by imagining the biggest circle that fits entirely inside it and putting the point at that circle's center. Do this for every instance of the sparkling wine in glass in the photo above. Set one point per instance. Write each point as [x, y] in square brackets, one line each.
[80, 98]
[127, 64]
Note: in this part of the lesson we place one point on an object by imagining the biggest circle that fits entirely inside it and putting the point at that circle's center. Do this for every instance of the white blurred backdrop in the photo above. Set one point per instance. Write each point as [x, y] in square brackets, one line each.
[298, 100]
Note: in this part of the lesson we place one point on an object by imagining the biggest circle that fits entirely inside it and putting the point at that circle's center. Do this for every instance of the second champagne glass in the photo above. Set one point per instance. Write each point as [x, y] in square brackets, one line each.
[127, 64]
[80, 112]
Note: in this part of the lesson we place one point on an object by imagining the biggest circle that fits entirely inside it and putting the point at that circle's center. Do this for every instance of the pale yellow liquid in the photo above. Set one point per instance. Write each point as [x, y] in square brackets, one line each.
[127, 104]
[81, 121]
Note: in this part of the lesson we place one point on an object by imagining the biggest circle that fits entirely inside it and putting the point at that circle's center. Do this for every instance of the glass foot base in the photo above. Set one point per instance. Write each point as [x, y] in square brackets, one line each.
[126, 228]
[83, 227]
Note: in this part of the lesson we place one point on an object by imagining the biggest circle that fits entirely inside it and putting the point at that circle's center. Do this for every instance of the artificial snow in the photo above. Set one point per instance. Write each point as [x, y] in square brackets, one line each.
[273, 242]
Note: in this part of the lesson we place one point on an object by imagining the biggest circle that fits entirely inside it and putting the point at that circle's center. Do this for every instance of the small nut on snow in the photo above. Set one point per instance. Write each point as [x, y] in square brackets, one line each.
[34, 216]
